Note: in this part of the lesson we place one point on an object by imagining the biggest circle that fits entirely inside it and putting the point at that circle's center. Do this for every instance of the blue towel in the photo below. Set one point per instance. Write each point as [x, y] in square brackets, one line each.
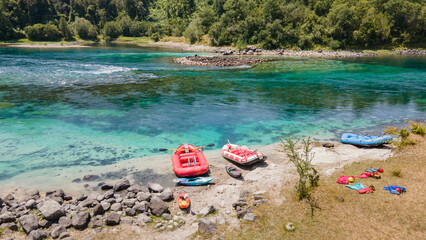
[356, 186]
[392, 187]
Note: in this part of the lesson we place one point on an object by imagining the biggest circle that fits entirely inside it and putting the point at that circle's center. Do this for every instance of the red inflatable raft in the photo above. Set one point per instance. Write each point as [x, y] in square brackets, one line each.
[189, 161]
[241, 155]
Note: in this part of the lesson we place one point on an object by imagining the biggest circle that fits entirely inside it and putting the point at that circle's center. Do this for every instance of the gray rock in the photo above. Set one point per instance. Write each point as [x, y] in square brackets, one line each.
[158, 225]
[80, 220]
[127, 221]
[206, 227]
[98, 210]
[100, 198]
[37, 235]
[119, 199]
[135, 189]
[45, 224]
[109, 194]
[181, 222]
[166, 216]
[51, 210]
[113, 218]
[130, 195]
[143, 196]
[144, 218]
[129, 212]
[106, 186]
[81, 197]
[88, 203]
[328, 145]
[105, 205]
[121, 185]
[28, 223]
[244, 193]
[207, 210]
[249, 217]
[116, 207]
[31, 204]
[141, 207]
[34, 194]
[340, 198]
[220, 220]
[158, 206]
[7, 217]
[58, 199]
[239, 204]
[96, 222]
[9, 197]
[57, 193]
[170, 227]
[57, 231]
[10, 225]
[128, 202]
[65, 221]
[67, 198]
[64, 235]
[1, 202]
[167, 194]
[241, 213]
[154, 187]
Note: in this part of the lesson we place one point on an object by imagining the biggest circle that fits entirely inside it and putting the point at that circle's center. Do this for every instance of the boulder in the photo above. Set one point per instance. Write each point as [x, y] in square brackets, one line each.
[128, 203]
[9, 197]
[116, 207]
[10, 225]
[88, 203]
[65, 221]
[64, 235]
[154, 187]
[106, 187]
[109, 194]
[58, 199]
[121, 185]
[28, 223]
[143, 196]
[57, 231]
[167, 194]
[37, 235]
[7, 217]
[57, 193]
[130, 195]
[81, 197]
[250, 217]
[96, 222]
[44, 223]
[135, 189]
[207, 210]
[328, 145]
[144, 218]
[113, 218]
[158, 206]
[129, 212]
[98, 210]
[51, 210]
[206, 227]
[31, 204]
[166, 216]
[141, 207]
[106, 205]
[80, 220]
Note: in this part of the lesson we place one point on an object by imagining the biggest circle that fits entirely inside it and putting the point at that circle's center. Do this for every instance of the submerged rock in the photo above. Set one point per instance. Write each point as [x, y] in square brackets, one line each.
[218, 61]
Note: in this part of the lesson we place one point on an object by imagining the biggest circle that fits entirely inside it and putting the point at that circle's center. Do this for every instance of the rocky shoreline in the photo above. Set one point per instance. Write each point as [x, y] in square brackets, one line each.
[55, 213]
[252, 50]
[218, 61]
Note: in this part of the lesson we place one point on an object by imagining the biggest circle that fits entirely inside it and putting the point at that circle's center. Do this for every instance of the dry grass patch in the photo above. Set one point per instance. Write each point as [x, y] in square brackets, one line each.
[378, 215]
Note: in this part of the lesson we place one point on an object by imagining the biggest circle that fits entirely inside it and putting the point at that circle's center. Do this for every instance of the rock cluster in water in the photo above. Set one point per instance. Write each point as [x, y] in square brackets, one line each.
[252, 50]
[55, 213]
[218, 61]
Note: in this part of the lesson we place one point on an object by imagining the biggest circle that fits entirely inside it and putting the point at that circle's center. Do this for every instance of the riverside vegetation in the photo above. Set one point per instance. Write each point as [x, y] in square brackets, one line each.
[270, 24]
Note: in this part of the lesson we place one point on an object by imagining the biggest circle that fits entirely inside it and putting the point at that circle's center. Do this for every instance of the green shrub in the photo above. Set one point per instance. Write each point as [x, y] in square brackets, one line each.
[403, 133]
[139, 29]
[43, 32]
[111, 31]
[417, 128]
[85, 30]
[396, 173]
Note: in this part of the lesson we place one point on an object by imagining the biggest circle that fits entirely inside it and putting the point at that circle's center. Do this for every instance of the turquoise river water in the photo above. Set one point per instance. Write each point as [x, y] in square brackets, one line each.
[99, 106]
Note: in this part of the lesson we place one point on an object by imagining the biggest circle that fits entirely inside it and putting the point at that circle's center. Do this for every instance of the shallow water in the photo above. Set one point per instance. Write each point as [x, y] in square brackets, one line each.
[99, 106]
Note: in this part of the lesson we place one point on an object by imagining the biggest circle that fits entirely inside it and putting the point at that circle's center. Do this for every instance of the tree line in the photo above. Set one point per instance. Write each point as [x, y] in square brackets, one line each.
[270, 24]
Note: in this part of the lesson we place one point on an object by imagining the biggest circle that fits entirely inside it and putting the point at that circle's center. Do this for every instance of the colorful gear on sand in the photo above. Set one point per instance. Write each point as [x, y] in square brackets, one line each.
[344, 179]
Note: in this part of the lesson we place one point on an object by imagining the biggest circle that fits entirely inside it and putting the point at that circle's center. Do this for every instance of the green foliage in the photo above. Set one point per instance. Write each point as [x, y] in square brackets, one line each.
[396, 173]
[65, 29]
[404, 133]
[338, 24]
[417, 128]
[111, 31]
[85, 30]
[43, 32]
[308, 175]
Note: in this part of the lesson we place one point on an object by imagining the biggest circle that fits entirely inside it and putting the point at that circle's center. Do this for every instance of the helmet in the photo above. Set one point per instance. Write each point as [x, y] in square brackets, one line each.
[381, 170]
[372, 188]
[350, 179]
[398, 189]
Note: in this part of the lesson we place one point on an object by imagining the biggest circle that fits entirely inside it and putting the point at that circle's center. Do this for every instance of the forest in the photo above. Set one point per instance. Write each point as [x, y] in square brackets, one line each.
[270, 24]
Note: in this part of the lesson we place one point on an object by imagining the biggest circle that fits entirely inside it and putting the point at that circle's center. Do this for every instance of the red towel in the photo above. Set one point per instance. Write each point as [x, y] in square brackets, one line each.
[344, 179]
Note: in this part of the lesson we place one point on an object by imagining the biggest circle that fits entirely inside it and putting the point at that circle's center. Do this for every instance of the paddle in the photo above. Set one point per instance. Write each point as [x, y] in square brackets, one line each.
[165, 149]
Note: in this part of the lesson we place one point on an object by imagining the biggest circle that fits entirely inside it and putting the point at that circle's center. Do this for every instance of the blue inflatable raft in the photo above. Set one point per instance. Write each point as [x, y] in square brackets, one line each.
[365, 140]
[193, 181]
